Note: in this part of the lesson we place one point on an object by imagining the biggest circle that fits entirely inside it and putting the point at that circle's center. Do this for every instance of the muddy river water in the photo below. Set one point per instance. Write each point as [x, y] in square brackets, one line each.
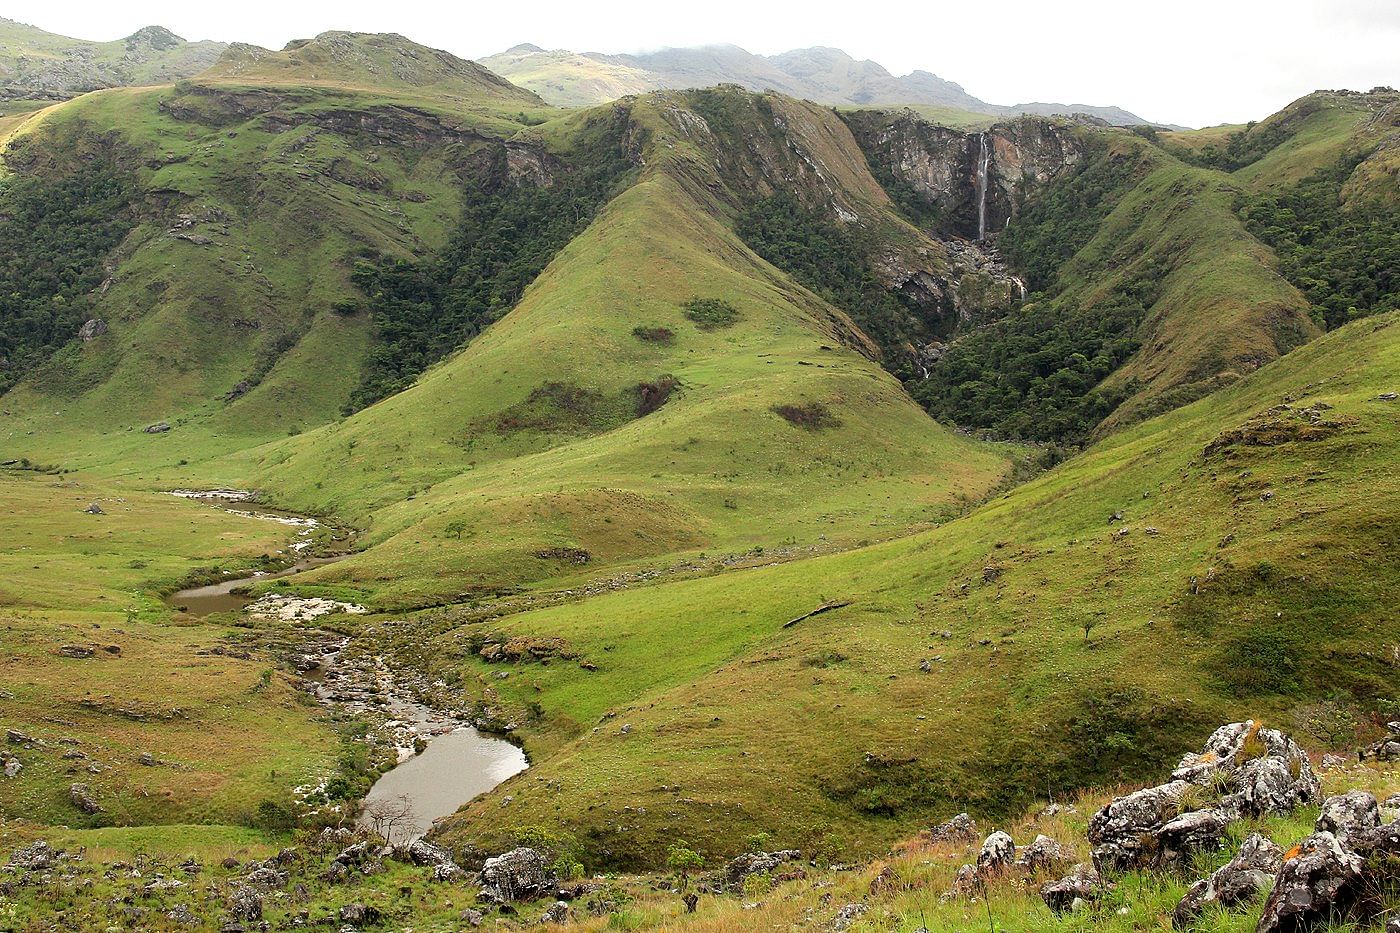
[431, 780]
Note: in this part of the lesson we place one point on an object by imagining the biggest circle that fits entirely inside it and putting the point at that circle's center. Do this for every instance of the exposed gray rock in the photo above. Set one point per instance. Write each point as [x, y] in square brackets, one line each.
[1183, 836]
[75, 651]
[359, 914]
[1043, 854]
[519, 873]
[473, 917]
[94, 509]
[36, 856]
[1270, 771]
[1343, 813]
[1249, 874]
[961, 828]
[846, 916]
[92, 329]
[1316, 884]
[422, 852]
[81, 797]
[245, 905]
[160, 427]
[10, 765]
[1122, 834]
[997, 855]
[558, 912]
[15, 737]
[181, 915]
[1082, 885]
[755, 863]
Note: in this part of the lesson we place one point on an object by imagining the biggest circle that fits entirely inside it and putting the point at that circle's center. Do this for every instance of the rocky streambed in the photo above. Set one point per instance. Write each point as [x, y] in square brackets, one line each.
[441, 759]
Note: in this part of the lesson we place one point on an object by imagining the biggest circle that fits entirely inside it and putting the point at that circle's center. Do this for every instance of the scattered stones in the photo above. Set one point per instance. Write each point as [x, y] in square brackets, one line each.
[74, 651]
[520, 873]
[245, 905]
[1344, 813]
[961, 828]
[558, 912]
[1315, 883]
[81, 797]
[1082, 885]
[181, 915]
[36, 856]
[1250, 873]
[846, 916]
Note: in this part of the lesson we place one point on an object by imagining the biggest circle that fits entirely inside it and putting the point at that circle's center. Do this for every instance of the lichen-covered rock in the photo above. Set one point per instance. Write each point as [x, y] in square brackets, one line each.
[36, 856]
[422, 852]
[1270, 772]
[245, 905]
[1043, 854]
[1082, 884]
[846, 916]
[520, 874]
[1317, 882]
[359, 914]
[997, 854]
[558, 912]
[1183, 836]
[755, 863]
[1250, 873]
[961, 828]
[1122, 835]
[1343, 813]
[82, 798]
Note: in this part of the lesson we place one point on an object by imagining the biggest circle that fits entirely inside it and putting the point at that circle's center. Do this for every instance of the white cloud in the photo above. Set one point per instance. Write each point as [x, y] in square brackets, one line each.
[1190, 61]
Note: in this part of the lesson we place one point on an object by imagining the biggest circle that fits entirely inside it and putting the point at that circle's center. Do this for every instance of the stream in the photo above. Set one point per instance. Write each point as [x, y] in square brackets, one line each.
[443, 760]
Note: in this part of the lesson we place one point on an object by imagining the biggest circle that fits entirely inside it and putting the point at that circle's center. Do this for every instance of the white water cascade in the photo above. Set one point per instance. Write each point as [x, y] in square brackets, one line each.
[984, 158]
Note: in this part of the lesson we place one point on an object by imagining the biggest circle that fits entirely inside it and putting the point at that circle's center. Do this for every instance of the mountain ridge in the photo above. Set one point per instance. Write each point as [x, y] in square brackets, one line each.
[823, 74]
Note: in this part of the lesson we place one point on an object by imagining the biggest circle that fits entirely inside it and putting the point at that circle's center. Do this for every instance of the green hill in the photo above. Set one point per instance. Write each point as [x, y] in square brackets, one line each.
[647, 387]
[41, 66]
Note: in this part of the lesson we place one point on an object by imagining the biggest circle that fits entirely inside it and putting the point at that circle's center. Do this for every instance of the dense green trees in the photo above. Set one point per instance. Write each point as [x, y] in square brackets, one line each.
[59, 216]
[1344, 258]
[508, 233]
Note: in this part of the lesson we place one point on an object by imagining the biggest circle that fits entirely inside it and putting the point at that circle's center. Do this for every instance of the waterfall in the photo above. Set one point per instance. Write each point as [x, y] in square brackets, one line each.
[984, 157]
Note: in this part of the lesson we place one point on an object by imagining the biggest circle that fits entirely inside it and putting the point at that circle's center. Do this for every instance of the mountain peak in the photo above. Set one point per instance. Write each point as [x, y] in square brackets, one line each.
[156, 37]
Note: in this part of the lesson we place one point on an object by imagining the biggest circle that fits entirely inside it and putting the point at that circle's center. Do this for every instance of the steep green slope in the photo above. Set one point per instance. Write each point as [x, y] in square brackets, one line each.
[228, 308]
[40, 65]
[1235, 556]
[601, 420]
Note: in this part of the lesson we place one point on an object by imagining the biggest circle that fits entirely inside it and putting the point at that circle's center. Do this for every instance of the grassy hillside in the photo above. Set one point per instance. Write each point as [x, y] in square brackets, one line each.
[40, 65]
[1249, 572]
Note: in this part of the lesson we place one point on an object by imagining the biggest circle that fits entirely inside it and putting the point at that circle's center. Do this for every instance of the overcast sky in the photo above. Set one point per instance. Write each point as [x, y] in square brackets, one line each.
[1197, 62]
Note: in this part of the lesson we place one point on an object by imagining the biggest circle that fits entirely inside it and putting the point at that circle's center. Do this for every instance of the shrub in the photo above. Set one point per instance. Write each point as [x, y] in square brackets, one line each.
[656, 334]
[711, 313]
[814, 416]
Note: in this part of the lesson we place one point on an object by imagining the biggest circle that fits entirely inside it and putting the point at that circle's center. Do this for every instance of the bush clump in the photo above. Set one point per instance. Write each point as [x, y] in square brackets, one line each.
[662, 335]
[711, 313]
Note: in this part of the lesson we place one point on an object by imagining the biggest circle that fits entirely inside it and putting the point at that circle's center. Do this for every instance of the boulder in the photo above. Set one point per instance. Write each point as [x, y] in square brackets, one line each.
[960, 828]
[1043, 854]
[847, 916]
[755, 863]
[1343, 813]
[94, 509]
[356, 854]
[1122, 835]
[81, 797]
[359, 914]
[92, 329]
[160, 427]
[473, 917]
[1269, 785]
[181, 916]
[1250, 873]
[558, 912]
[1269, 770]
[521, 873]
[1318, 881]
[1183, 836]
[422, 852]
[245, 905]
[997, 855]
[967, 881]
[1082, 885]
[74, 651]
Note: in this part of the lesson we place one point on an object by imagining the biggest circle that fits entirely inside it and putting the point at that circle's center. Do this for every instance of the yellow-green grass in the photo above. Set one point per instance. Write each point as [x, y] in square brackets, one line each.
[827, 733]
[226, 737]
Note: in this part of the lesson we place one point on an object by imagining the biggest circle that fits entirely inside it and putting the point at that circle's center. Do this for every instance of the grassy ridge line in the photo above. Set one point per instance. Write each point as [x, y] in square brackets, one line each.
[828, 735]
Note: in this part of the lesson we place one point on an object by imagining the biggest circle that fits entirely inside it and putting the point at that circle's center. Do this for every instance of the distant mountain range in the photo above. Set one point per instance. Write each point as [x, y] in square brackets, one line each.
[39, 65]
[824, 75]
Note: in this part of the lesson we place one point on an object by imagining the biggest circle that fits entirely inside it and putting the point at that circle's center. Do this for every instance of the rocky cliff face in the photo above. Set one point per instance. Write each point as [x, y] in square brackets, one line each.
[941, 165]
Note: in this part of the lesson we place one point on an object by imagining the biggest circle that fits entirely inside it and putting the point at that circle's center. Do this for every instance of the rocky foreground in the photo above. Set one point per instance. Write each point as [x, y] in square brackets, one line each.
[1300, 858]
